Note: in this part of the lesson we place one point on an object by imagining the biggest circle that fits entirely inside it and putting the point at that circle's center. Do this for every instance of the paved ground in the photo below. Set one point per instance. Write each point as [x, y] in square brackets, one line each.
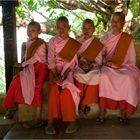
[111, 129]
[5, 126]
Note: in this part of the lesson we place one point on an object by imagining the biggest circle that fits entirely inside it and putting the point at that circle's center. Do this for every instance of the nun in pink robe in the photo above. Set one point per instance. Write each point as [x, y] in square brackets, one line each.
[88, 82]
[119, 87]
[26, 87]
[62, 103]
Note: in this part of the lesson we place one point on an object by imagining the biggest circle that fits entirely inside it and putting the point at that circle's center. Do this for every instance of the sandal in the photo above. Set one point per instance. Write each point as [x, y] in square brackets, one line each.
[33, 124]
[50, 130]
[9, 114]
[84, 109]
[71, 128]
[124, 121]
[100, 120]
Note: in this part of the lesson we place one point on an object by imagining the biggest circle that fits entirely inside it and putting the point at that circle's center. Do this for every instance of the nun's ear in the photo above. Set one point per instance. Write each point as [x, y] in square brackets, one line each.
[94, 30]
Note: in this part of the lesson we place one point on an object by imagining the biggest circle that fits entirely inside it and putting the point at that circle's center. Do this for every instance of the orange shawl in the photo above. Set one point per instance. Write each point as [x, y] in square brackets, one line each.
[121, 49]
[69, 50]
[34, 46]
[92, 50]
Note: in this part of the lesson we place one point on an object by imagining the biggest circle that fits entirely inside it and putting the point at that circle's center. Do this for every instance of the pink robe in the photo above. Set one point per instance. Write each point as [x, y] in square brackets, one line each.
[92, 77]
[55, 46]
[27, 76]
[119, 88]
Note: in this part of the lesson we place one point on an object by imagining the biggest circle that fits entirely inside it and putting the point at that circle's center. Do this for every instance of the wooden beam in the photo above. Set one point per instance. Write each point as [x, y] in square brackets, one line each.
[16, 2]
[9, 31]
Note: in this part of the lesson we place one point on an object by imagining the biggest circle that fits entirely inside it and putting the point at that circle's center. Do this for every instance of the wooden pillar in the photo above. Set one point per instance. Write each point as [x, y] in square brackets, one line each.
[9, 32]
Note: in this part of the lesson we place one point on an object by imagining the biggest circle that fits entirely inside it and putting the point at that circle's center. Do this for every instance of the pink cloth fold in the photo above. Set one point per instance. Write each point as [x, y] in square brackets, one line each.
[27, 76]
[27, 79]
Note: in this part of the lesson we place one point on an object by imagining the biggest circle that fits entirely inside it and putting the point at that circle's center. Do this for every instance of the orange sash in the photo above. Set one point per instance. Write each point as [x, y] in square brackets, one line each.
[121, 49]
[69, 50]
[32, 49]
[92, 50]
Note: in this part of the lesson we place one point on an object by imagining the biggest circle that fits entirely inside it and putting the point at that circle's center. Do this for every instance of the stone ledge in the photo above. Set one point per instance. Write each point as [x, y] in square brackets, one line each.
[26, 113]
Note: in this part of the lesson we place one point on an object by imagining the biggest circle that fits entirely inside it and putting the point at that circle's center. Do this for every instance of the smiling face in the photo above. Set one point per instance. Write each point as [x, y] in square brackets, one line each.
[63, 28]
[117, 24]
[33, 31]
[88, 29]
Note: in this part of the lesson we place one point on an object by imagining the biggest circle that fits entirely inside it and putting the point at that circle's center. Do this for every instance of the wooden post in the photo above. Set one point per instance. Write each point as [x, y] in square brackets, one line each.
[9, 31]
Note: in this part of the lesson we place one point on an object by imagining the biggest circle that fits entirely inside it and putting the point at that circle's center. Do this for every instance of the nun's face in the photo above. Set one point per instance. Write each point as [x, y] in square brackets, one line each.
[88, 30]
[33, 32]
[63, 29]
[116, 23]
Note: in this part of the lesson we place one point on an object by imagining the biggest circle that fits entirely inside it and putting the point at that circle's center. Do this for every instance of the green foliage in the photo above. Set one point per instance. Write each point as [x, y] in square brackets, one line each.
[2, 80]
[20, 12]
[48, 9]
[44, 7]
[134, 7]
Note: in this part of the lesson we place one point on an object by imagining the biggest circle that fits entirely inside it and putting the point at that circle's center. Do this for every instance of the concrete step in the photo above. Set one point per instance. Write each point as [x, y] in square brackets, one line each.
[111, 129]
